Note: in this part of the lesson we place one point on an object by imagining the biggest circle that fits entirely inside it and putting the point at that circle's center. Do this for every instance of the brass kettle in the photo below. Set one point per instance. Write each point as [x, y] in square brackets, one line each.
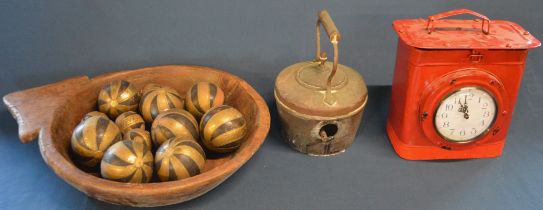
[321, 103]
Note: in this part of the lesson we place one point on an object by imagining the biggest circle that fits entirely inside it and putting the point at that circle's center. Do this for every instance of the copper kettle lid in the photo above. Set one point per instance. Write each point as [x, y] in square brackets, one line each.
[319, 87]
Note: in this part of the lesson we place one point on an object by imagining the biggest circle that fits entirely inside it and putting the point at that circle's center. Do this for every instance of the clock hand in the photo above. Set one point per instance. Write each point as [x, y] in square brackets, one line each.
[466, 111]
[461, 108]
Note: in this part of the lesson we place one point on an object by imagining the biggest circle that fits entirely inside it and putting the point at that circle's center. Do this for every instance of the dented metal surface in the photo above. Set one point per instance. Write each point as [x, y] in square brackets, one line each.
[320, 103]
[483, 33]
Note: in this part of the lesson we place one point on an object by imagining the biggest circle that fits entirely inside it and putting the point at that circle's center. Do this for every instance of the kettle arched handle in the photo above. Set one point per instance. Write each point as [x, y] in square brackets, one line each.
[334, 36]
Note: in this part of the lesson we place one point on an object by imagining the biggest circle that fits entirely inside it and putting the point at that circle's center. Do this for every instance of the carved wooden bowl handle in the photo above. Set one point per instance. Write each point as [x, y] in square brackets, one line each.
[33, 108]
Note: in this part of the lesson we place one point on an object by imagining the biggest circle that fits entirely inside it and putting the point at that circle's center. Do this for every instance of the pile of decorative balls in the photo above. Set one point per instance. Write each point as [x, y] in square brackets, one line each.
[123, 150]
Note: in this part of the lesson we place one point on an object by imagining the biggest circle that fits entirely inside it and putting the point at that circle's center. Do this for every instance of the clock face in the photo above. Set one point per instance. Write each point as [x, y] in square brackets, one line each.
[465, 114]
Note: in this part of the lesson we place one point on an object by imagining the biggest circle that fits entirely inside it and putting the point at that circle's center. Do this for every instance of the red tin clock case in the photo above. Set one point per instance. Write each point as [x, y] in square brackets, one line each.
[455, 85]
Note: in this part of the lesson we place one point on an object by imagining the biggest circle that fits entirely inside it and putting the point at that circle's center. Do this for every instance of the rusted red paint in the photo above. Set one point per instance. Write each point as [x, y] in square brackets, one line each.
[435, 57]
[435, 33]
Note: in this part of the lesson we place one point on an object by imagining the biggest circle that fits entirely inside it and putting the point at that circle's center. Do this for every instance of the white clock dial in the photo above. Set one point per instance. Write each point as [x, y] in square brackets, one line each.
[465, 114]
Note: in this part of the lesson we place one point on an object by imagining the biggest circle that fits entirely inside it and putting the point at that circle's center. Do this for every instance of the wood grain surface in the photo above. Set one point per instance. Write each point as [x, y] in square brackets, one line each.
[52, 112]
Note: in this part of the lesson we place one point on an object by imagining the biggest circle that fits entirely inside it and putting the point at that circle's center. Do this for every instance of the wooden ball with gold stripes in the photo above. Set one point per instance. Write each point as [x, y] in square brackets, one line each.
[91, 138]
[140, 135]
[118, 97]
[94, 113]
[222, 129]
[128, 161]
[149, 87]
[179, 158]
[129, 120]
[203, 96]
[174, 123]
[157, 100]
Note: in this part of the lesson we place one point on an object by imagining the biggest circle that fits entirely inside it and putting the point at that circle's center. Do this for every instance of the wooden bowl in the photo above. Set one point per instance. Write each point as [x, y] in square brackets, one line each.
[51, 112]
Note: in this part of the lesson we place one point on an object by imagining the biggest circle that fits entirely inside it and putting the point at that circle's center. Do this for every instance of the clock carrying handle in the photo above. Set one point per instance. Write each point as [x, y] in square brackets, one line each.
[326, 21]
[433, 18]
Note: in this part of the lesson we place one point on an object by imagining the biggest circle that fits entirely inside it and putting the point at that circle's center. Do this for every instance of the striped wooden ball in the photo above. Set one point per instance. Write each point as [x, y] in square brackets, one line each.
[140, 135]
[129, 120]
[128, 161]
[222, 129]
[174, 123]
[94, 113]
[179, 158]
[91, 138]
[149, 87]
[203, 96]
[159, 100]
[118, 97]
